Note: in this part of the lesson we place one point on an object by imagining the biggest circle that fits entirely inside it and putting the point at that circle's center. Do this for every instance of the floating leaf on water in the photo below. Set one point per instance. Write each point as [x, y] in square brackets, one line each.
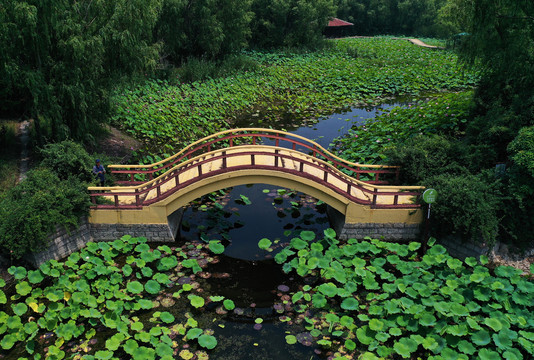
[152, 287]
[283, 288]
[196, 301]
[207, 341]
[239, 311]
[229, 304]
[18, 272]
[134, 287]
[350, 304]
[166, 317]
[257, 326]
[291, 339]
[264, 244]
[305, 338]
[216, 247]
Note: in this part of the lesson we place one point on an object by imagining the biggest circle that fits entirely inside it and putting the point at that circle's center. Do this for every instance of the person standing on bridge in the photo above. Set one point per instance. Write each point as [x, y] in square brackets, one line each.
[99, 172]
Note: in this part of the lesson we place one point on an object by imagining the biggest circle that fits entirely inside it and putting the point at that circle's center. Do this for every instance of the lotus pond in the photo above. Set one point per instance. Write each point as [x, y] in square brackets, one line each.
[364, 299]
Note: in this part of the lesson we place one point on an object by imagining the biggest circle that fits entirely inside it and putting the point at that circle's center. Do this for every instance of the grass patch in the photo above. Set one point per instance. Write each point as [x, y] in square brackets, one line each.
[9, 155]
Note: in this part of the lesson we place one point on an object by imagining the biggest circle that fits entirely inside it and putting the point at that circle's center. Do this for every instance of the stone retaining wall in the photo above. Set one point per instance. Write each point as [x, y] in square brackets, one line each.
[63, 243]
[388, 231]
[153, 232]
[461, 249]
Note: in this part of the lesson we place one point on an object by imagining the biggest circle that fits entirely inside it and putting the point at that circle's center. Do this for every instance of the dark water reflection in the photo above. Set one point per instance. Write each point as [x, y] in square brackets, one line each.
[242, 216]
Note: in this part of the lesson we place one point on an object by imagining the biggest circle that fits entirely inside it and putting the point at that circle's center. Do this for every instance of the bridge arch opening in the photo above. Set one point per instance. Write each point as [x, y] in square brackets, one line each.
[243, 215]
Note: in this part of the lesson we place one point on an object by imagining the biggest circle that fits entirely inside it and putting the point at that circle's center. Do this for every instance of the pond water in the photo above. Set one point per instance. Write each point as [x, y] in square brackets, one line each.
[242, 216]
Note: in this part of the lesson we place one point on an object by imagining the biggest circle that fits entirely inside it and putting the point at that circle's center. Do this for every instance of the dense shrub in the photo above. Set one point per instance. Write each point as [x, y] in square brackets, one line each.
[467, 205]
[426, 156]
[30, 211]
[519, 225]
[67, 159]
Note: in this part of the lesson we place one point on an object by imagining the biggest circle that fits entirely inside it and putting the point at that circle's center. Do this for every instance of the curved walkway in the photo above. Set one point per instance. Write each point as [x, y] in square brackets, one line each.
[239, 156]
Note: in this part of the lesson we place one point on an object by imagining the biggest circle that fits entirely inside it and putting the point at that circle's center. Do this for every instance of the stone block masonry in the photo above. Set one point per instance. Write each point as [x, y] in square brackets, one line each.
[461, 249]
[62, 243]
[387, 231]
[153, 232]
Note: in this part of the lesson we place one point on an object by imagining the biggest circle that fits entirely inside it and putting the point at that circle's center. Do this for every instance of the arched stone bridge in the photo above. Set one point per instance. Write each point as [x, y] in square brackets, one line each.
[149, 195]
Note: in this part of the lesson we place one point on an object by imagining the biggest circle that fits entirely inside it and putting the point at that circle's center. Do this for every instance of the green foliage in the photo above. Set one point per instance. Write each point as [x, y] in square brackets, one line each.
[208, 28]
[412, 305]
[58, 59]
[31, 211]
[290, 22]
[410, 17]
[520, 184]
[468, 205]
[83, 294]
[445, 114]
[67, 159]
[167, 115]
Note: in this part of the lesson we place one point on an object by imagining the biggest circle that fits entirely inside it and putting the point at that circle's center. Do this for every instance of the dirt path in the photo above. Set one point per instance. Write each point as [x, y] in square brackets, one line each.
[420, 43]
[413, 41]
[24, 129]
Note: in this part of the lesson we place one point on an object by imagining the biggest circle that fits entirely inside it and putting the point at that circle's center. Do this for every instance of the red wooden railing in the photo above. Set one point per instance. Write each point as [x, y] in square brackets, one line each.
[216, 162]
[137, 174]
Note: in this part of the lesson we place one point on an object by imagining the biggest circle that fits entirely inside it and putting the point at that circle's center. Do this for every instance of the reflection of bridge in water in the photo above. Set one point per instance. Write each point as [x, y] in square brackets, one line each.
[149, 195]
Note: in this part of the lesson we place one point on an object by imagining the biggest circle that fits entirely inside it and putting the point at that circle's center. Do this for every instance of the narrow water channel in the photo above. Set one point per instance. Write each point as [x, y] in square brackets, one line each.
[242, 216]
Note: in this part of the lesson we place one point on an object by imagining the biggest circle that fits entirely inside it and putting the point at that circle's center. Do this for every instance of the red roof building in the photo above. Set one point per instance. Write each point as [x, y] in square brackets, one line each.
[338, 22]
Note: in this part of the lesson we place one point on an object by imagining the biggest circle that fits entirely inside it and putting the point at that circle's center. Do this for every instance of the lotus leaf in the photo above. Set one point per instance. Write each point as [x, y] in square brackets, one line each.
[207, 341]
[328, 289]
[291, 339]
[493, 323]
[481, 338]
[405, 347]
[142, 248]
[164, 351]
[134, 287]
[147, 272]
[8, 341]
[486, 354]
[512, 354]
[369, 356]
[196, 301]
[144, 353]
[376, 325]
[194, 333]
[264, 243]
[349, 304]
[167, 263]
[130, 346]
[365, 335]
[31, 327]
[137, 326]
[152, 287]
[35, 277]
[19, 308]
[143, 336]
[229, 304]
[161, 278]
[166, 317]
[318, 300]
[18, 272]
[23, 288]
[298, 244]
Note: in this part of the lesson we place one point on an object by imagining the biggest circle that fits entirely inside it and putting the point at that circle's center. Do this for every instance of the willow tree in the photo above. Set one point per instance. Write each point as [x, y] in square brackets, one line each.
[281, 23]
[203, 28]
[58, 58]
